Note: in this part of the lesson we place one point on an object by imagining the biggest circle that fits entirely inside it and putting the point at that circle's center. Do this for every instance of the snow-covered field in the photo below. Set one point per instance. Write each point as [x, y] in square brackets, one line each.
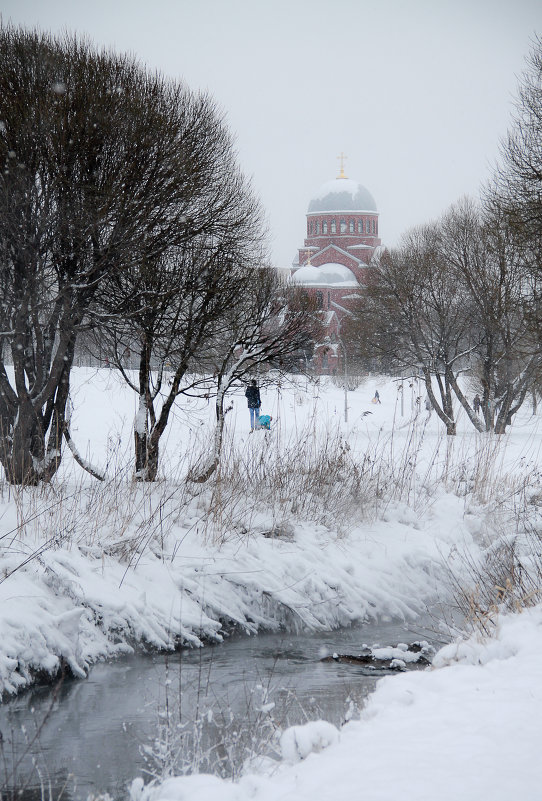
[318, 523]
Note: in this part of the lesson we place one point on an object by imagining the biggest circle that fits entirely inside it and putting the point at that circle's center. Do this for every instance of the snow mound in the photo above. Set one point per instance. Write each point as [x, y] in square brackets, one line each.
[298, 742]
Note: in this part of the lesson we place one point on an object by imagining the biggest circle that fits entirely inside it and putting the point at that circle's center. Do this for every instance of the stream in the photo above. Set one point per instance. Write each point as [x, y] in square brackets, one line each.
[203, 710]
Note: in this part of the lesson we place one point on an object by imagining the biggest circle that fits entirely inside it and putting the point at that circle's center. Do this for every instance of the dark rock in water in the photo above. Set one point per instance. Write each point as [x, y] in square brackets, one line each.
[399, 657]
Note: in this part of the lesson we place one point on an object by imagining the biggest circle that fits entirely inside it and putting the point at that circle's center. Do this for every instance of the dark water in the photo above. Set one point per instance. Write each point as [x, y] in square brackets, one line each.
[204, 710]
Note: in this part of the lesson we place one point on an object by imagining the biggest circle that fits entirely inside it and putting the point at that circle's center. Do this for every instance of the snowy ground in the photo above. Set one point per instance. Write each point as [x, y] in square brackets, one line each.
[467, 729]
[90, 570]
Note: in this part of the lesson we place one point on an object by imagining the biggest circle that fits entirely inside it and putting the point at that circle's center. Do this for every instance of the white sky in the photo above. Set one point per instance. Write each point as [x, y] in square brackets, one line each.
[417, 93]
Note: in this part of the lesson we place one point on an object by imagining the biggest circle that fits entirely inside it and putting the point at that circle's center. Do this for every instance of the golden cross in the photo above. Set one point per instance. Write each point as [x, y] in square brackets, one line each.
[341, 158]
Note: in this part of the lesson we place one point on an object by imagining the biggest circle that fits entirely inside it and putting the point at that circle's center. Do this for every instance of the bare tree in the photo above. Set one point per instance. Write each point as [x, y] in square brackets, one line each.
[518, 178]
[168, 311]
[414, 314]
[272, 326]
[482, 252]
[100, 163]
[464, 294]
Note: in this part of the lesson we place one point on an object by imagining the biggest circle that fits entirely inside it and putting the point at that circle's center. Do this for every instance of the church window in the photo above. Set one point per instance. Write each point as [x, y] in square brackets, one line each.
[374, 226]
[319, 300]
[343, 226]
[324, 227]
[333, 226]
[328, 299]
[360, 226]
[351, 226]
[317, 227]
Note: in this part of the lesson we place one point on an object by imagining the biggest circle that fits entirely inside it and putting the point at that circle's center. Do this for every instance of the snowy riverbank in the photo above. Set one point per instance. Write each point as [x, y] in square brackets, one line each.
[466, 729]
[91, 570]
[79, 604]
[317, 524]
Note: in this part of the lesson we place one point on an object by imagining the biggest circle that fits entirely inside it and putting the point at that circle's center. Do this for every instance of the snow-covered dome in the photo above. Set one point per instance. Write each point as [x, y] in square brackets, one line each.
[331, 275]
[342, 194]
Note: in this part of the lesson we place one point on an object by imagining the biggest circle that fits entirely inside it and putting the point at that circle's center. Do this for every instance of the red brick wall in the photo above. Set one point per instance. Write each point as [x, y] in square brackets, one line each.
[327, 359]
[343, 241]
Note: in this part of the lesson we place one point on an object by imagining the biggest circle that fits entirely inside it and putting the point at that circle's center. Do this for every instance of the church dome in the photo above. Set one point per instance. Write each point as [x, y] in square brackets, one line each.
[329, 275]
[342, 194]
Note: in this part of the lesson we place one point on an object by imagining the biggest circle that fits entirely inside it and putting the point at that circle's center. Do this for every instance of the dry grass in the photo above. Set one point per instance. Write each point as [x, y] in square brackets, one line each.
[268, 485]
[507, 579]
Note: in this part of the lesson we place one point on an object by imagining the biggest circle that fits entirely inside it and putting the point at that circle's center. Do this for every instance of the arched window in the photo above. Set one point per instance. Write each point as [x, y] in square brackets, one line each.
[319, 300]
[324, 227]
[360, 226]
[374, 226]
[333, 226]
[317, 227]
[351, 226]
[328, 299]
[343, 226]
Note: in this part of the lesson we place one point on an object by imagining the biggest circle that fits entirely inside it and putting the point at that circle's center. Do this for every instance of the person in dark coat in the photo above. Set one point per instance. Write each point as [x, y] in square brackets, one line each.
[476, 403]
[252, 394]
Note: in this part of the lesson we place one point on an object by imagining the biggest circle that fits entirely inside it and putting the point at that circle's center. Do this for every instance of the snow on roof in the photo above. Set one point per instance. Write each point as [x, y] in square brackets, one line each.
[342, 194]
[334, 275]
[337, 185]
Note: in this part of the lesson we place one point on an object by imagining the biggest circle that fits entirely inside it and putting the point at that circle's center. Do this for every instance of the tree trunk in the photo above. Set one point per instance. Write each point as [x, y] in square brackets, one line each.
[146, 443]
[18, 461]
[23, 455]
[444, 411]
[147, 451]
[472, 415]
[504, 418]
[140, 443]
[451, 429]
[204, 474]
[487, 409]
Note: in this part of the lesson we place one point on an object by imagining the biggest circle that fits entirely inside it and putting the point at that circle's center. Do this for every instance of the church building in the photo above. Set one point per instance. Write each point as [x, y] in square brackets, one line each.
[342, 240]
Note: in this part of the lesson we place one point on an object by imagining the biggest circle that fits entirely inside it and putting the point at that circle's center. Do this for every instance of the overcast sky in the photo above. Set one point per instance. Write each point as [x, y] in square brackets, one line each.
[416, 93]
